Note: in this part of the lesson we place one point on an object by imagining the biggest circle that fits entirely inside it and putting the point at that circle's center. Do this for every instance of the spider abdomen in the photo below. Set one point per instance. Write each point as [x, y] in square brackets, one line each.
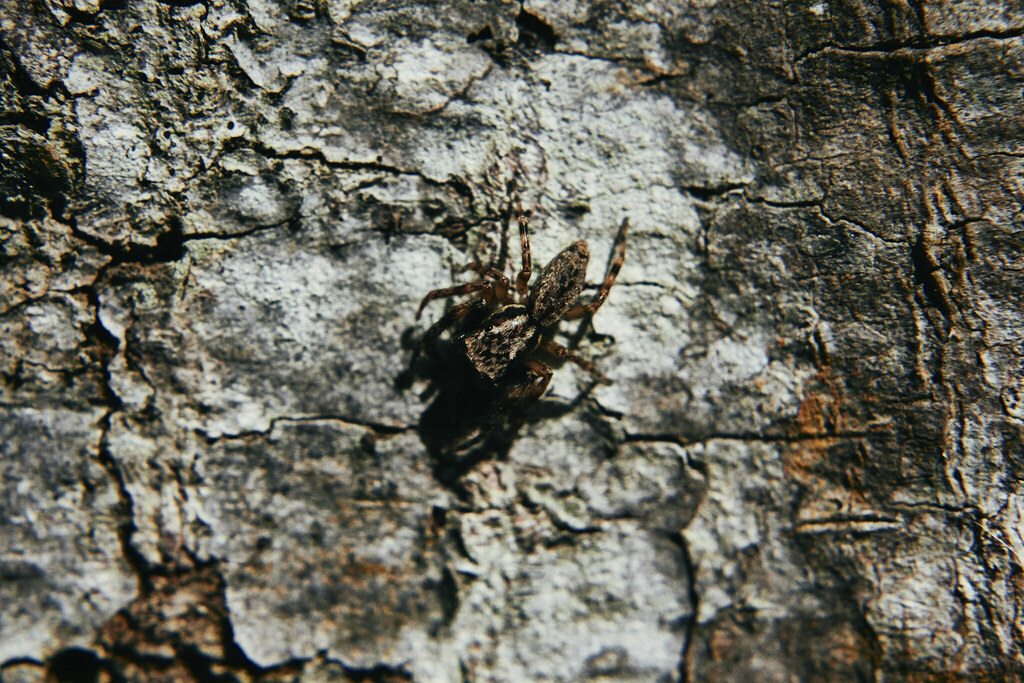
[504, 337]
[559, 284]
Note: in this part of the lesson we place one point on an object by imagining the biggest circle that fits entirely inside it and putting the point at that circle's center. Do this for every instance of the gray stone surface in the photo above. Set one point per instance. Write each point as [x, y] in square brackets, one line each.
[217, 220]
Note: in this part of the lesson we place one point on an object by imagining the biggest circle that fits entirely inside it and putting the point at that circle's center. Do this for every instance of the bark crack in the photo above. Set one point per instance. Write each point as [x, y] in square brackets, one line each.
[923, 44]
[748, 437]
[378, 428]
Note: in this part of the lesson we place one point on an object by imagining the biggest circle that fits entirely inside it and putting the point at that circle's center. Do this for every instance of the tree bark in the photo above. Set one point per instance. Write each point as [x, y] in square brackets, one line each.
[223, 454]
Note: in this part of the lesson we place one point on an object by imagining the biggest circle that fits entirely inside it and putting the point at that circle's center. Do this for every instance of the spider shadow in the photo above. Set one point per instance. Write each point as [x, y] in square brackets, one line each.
[468, 420]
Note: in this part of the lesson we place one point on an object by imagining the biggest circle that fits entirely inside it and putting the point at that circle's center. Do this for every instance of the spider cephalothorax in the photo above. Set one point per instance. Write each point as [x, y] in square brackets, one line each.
[513, 325]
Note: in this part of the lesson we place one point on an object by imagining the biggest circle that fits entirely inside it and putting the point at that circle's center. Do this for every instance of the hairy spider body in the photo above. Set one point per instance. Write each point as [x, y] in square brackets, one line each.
[500, 347]
[504, 337]
[559, 284]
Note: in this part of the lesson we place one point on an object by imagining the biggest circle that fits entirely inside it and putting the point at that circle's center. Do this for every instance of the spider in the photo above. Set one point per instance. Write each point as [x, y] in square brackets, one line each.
[514, 325]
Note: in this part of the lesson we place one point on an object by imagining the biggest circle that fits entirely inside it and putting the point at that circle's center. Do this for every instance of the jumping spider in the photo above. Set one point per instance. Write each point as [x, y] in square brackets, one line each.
[512, 326]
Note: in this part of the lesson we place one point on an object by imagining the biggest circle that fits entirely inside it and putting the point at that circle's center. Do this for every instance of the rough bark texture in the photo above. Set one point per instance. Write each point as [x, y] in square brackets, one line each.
[218, 218]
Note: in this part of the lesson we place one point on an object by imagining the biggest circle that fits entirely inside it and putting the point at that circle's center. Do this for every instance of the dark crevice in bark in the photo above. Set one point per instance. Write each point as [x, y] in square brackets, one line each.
[709, 193]
[313, 154]
[859, 225]
[180, 3]
[448, 594]
[37, 123]
[795, 204]
[535, 32]
[169, 246]
[567, 534]
[484, 33]
[925, 269]
[108, 344]
[81, 17]
[74, 665]
[691, 592]
[377, 674]
[887, 47]
[376, 428]
[659, 79]
[127, 527]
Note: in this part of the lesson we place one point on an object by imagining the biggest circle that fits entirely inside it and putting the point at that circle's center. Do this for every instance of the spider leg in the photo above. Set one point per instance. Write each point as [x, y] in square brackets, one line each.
[556, 349]
[506, 218]
[502, 285]
[477, 286]
[524, 239]
[449, 318]
[544, 372]
[609, 279]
